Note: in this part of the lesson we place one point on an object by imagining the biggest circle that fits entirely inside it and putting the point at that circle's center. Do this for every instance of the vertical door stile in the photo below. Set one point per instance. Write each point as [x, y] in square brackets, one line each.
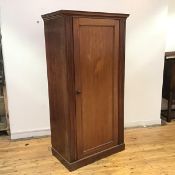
[77, 84]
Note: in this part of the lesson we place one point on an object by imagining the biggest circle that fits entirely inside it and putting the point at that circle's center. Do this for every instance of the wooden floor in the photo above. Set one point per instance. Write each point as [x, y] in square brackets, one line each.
[149, 151]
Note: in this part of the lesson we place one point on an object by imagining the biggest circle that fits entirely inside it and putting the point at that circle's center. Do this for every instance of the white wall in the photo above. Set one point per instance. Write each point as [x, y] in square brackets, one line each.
[25, 64]
[170, 42]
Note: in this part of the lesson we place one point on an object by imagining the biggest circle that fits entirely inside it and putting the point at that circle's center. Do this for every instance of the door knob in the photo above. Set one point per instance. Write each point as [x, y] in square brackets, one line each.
[78, 92]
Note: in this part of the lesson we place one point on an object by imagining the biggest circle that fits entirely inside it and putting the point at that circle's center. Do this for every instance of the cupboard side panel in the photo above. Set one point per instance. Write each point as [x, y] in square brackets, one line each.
[57, 82]
[121, 80]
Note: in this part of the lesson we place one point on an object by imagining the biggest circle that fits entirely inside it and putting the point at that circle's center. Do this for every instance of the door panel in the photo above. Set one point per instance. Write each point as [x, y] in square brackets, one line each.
[96, 44]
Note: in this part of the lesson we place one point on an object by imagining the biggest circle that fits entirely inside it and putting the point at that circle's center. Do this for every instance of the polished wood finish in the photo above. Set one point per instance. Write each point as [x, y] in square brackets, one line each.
[85, 62]
[96, 60]
[148, 151]
[57, 80]
[71, 13]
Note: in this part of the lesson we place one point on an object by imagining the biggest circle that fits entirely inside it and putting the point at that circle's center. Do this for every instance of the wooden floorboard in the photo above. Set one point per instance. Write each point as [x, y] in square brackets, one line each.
[149, 151]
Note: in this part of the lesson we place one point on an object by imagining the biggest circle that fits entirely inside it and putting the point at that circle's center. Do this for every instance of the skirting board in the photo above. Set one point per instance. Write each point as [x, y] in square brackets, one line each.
[142, 123]
[46, 132]
[29, 134]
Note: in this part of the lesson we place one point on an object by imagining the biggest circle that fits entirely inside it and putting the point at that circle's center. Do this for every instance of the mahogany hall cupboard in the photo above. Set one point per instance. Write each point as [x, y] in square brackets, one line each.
[85, 64]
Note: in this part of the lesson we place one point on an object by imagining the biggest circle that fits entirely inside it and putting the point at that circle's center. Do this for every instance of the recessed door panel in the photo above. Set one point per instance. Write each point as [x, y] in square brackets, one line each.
[96, 45]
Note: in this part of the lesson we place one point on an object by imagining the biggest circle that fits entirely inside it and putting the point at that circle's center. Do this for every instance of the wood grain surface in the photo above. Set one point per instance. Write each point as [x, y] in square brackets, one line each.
[148, 151]
[97, 62]
[85, 64]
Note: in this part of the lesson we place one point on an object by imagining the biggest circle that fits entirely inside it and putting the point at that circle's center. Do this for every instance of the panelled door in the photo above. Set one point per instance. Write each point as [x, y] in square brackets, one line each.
[96, 59]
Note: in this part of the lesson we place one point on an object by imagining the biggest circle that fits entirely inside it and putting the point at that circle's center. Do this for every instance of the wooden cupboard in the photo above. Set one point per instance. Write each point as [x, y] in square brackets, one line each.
[85, 64]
